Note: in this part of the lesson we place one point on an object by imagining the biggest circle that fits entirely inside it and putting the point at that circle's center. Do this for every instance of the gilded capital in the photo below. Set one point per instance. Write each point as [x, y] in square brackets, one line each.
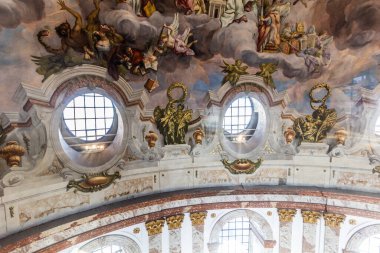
[175, 221]
[198, 218]
[154, 227]
[286, 215]
[310, 216]
[333, 220]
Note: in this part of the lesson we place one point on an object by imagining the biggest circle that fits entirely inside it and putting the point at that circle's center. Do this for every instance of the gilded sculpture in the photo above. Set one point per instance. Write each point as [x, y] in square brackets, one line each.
[173, 121]
[314, 127]
[234, 71]
[266, 71]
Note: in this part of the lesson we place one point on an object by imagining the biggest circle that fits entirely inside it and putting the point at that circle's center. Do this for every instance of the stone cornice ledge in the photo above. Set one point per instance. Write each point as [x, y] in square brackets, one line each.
[83, 226]
[44, 93]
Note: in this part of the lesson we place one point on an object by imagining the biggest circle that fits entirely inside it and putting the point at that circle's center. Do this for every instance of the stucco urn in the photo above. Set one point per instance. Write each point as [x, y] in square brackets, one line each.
[151, 137]
[289, 135]
[12, 153]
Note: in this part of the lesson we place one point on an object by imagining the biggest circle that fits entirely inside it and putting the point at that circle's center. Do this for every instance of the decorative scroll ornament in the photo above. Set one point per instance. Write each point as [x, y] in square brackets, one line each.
[286, 215]
[173, 121]
[242, 166]
[310, 216]
[314, 127]
[154, 227]
[198, 218]
[12, 153]
[333, 220]
[175, 221]
[93, 183]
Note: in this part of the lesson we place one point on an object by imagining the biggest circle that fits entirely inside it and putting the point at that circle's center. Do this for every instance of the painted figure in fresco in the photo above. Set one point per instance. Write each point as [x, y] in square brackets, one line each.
[173, 121]
[105, 39]
[270, 27]
[199, 7]
[171, 39]
[318, 56]
[140, 7]
[234, 11]
[185, 5]
[77, 37]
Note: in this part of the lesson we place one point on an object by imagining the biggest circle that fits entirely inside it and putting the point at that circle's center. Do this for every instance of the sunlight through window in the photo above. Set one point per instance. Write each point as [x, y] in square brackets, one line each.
[89, 116]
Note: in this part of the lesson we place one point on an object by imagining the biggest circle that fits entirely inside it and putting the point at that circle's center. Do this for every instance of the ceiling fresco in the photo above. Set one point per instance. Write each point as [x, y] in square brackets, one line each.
[304, 41]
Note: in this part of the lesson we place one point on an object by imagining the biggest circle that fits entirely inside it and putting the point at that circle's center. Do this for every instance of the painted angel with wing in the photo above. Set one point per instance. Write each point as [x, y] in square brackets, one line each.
[170, 38]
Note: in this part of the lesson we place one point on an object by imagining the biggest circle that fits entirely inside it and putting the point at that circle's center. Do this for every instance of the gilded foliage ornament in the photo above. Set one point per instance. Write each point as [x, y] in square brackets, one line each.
[154, 227]
[242, 166]
[198, 218]
[334, 220]
[175, 221]
[93, 183]
[314, 127]
[173, 121]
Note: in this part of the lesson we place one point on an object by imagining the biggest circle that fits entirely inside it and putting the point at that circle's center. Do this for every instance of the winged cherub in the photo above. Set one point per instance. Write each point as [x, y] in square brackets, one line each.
[170, 38]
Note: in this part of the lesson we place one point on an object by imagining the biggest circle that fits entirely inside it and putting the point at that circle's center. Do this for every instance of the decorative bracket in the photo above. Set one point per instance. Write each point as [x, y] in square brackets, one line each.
[93, 183]
[242, 166]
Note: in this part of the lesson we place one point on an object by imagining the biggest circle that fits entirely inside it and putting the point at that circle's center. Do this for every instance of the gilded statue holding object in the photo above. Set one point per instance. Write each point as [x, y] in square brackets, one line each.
[173, 121]
[314, 127]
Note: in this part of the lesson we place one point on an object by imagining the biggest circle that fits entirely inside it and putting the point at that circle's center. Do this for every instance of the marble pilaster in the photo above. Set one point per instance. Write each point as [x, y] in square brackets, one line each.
[310, 220]
[332, 232]
[197, 221]
[286, 222]
[174, 223]
[154, 229]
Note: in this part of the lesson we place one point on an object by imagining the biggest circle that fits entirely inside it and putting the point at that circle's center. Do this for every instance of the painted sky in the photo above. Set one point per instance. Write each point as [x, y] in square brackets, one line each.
[355, 51]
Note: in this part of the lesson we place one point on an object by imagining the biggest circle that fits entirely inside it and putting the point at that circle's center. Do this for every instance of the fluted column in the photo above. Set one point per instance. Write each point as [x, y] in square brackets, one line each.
[198, 221]
[154, 229]
[174, 224]
[286, 221]
[332, 231]
[310, 220]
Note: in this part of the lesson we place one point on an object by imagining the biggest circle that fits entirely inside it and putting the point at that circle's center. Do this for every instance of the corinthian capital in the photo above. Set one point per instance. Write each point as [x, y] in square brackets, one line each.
[310, 216]
[154, 227]
[333, 220]
[175, 221]
[198, 218]
[286, 215]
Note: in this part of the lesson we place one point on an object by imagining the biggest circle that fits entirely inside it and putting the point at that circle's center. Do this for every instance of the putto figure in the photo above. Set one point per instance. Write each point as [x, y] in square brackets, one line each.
[314, 127]
[173, 121]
